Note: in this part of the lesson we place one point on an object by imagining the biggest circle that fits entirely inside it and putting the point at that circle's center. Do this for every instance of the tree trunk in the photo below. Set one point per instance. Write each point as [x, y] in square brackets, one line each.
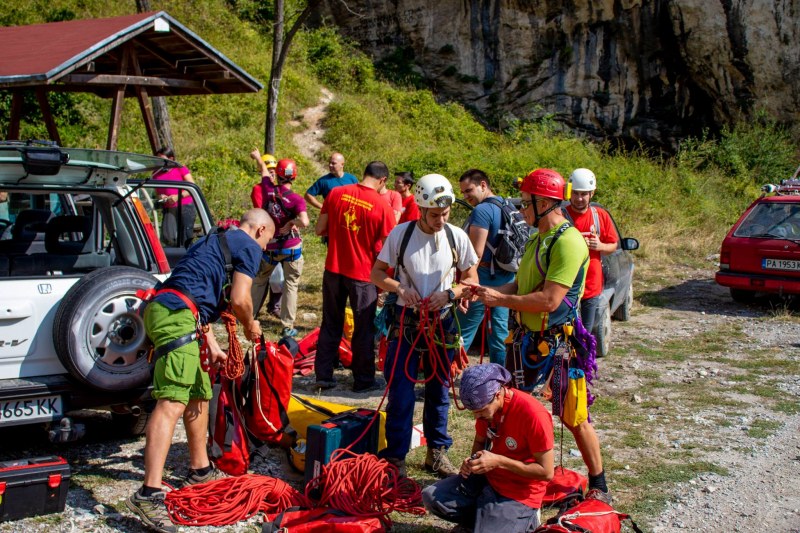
[160, 110]
[280, 48]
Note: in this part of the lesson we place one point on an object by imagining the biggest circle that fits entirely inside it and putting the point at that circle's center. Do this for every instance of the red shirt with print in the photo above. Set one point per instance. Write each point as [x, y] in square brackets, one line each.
[584, 222]
[410, 210]
[359, 220]
[523, 427]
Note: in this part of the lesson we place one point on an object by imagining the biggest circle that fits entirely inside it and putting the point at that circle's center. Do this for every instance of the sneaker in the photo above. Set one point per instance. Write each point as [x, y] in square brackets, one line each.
[152, 511]
[378, 384]
[325, 384]
[399, 463]
[437, 461]
[597, 494]
[288, 332]
[194, 479]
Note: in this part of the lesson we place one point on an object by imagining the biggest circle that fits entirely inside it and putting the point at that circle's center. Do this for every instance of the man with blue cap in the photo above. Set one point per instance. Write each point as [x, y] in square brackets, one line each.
[501, 485]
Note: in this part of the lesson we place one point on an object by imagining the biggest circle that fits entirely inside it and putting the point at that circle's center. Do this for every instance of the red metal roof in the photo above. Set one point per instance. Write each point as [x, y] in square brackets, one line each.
[88, 56]
[40, 48]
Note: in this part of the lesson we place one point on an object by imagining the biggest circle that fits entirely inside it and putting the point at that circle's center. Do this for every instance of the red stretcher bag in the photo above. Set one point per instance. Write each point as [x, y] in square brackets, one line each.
[588, 516]
[565, 487]
[227, 440]
[320, 520]
[266, 388]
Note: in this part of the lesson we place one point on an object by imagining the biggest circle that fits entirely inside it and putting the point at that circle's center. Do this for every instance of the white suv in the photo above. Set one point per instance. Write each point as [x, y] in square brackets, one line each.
[78, 238]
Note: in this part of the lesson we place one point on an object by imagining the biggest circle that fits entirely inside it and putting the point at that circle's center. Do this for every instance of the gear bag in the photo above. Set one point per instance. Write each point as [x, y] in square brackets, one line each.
[266, 387]
[227, 441]
[587, 516]
[512, 237]
[566, 487]
[319, 520]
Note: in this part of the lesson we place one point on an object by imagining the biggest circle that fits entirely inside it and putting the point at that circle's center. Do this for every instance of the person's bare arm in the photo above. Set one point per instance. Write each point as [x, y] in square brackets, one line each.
[541, 469]
[545, 301]
[242, 305]
[478, 237]
[312, 200]
[381, 278]
[322, 224]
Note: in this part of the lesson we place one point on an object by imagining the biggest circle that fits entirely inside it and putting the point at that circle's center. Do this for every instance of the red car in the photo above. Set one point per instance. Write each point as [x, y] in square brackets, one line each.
[761, 253]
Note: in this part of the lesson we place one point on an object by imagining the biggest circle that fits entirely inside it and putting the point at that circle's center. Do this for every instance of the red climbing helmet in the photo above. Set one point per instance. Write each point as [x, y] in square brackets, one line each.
[545, 183]
[286, 170]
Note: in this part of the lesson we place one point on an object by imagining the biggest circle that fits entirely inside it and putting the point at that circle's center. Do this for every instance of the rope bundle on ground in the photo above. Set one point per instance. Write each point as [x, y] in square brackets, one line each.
[365, 486]
[230, 500]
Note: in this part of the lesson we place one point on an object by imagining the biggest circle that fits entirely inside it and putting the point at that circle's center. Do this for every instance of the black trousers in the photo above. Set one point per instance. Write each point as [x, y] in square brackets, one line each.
[363, 296]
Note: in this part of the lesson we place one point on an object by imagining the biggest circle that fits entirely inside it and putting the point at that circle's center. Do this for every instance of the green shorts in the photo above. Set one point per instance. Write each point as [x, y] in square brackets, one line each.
[177, 375]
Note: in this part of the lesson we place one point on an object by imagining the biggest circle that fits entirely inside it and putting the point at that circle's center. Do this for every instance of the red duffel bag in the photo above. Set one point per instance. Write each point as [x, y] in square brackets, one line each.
[266, 388]
[588, 516]
[566, 486]
[227, 441]
[320, 520]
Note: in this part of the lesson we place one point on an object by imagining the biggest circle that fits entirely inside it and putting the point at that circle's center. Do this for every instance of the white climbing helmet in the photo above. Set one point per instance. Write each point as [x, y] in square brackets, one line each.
[583, 179]
[434, 190]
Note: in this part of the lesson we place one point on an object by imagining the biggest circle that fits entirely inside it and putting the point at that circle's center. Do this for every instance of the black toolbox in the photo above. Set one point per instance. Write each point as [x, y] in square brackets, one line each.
[30, 487]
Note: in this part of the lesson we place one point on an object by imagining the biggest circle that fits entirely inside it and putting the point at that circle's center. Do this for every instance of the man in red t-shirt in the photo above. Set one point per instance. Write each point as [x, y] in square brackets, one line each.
[501, 485]
[596, 226]
[403, 182]
[356, 220]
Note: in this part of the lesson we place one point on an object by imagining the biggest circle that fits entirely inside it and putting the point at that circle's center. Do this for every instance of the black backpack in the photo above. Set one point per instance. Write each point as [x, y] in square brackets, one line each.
[511, 238]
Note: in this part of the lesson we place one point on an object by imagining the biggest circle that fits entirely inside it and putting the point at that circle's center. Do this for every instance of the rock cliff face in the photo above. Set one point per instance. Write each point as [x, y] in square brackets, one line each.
[636, 70]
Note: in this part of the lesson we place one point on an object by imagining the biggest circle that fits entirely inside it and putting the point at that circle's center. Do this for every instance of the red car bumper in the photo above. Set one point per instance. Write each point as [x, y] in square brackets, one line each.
[758, 283]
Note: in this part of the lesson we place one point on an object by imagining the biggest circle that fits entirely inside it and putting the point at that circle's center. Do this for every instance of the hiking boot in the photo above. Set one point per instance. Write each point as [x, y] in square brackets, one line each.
[437, 461]
[597, 494]
[378, 384]
[152, 511]
[324, 384]
[399, 463]
[288, 332]
[195, 479]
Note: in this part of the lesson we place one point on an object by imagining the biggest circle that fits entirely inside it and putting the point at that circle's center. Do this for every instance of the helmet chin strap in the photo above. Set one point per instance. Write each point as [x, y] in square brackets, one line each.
[537, 217]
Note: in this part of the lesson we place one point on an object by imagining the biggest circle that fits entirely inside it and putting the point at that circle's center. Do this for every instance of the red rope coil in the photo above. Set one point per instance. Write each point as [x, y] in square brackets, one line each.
[234, 365]
[230, 500]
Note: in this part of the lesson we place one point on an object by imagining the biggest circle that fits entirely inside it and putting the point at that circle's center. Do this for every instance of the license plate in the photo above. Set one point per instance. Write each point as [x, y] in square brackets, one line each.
[15, 412]
[780, 264]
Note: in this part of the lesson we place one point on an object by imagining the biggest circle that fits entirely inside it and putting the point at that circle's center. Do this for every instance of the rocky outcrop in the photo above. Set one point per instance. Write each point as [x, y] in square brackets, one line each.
[638, 70]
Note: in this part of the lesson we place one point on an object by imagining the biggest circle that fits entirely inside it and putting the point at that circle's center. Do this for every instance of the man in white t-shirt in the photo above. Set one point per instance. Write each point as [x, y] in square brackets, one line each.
[425, 255]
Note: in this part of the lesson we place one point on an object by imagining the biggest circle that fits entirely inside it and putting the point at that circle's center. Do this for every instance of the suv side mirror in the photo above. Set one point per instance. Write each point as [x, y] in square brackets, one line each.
[629, 243]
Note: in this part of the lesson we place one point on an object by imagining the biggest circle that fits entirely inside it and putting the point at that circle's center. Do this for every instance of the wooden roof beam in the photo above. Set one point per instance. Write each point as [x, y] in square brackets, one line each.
[124, 79]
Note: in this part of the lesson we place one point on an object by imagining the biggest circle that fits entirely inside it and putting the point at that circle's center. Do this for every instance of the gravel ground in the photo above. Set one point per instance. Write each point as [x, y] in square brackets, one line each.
[758, 494]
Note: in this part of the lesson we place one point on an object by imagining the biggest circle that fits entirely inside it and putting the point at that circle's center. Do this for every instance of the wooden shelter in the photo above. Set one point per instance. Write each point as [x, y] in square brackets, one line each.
[143, 55]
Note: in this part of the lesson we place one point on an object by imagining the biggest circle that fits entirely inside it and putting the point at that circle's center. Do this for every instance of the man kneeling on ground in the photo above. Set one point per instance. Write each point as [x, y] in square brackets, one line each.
[502, 484]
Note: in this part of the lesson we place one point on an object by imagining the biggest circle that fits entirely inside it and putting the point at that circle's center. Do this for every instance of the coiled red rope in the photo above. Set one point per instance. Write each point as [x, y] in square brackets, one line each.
[230, 500]
[363, 485]
[234, 365]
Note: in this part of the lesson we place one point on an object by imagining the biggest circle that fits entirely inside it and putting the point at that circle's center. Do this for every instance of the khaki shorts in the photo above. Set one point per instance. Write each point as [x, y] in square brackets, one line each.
[177, 375]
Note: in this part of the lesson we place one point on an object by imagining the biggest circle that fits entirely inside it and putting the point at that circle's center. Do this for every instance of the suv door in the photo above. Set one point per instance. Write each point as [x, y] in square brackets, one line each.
[178, 225]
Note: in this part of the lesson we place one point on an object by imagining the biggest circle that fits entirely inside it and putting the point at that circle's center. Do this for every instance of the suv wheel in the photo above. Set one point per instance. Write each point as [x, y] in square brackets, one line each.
[603, 333]
[98, 332]
[623, 312]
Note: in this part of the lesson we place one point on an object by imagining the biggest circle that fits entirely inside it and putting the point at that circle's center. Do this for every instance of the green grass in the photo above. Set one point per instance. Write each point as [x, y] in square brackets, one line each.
[761, 429]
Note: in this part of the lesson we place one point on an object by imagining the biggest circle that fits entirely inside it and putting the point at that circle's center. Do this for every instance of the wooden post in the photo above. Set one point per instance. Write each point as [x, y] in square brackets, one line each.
[16, 112]
[49, 122]
[144, 104]
[116, 105]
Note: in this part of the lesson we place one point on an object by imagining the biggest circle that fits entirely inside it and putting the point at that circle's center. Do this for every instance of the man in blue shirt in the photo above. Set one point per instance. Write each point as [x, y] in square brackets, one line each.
[483, 225]
[335, 178]
[193, 297]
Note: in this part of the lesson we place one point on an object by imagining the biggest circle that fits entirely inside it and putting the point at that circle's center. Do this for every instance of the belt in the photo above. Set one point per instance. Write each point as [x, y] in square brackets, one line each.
[292, 254]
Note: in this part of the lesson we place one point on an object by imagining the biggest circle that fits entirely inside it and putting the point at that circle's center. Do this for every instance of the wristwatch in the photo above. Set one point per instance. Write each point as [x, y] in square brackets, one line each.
[451, 295]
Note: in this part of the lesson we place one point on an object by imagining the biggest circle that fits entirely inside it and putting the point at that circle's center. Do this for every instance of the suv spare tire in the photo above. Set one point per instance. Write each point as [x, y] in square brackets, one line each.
[98, 333]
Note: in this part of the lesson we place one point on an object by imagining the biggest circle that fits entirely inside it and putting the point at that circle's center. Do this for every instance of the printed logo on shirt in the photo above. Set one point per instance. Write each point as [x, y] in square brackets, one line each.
[511, 444]
[350, 216]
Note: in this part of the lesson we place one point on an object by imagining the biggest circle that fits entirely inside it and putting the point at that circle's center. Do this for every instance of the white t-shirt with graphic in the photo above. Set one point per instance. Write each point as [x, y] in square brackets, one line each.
[428, 260]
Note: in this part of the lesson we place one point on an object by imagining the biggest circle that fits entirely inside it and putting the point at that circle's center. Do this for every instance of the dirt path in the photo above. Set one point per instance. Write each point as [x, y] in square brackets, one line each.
[309, 140]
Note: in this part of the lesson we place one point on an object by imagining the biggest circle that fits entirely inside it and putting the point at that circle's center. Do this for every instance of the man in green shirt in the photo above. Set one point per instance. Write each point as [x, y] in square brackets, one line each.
[545, 295]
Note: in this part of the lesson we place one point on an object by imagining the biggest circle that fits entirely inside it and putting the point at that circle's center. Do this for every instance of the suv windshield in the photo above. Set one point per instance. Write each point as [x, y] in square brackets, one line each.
[14, 152]
[775, 220]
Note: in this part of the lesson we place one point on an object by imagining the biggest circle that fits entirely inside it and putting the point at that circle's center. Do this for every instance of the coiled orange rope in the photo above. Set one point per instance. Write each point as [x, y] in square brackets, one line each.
[230, 500]
[234, 365]
[363, 485]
